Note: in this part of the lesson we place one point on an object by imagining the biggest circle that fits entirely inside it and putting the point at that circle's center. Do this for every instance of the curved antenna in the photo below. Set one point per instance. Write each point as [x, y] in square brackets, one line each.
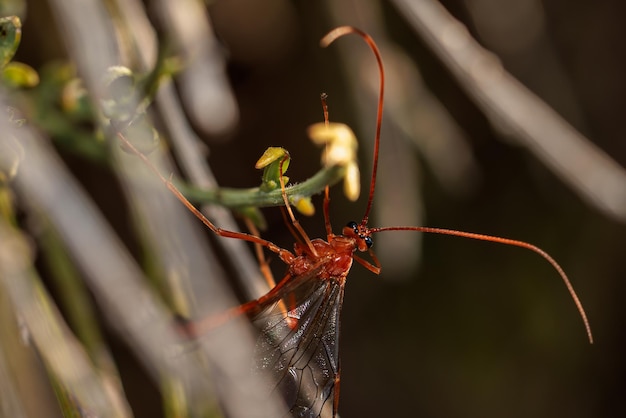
[329, 38]
[505, 241]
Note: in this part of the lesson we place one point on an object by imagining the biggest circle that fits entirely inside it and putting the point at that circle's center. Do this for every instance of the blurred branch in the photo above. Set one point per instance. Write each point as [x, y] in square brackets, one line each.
[189, 151]
[74, 298]
[61, 352]
[178, 246]
[520, 33]
[596, 177]
[112, 276]
[11, 404]
[13, 365]
[203, 83]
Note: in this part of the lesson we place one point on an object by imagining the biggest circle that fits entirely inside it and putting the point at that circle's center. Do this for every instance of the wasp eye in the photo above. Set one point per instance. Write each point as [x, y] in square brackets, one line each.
[353, 225]
[368, 242]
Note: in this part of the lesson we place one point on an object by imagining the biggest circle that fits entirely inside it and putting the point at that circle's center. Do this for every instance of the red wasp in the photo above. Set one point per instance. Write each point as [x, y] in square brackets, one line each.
[299, 317]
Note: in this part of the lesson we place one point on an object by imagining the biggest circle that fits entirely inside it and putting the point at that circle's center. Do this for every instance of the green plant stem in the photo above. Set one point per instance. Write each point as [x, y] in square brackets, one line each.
[242, 198]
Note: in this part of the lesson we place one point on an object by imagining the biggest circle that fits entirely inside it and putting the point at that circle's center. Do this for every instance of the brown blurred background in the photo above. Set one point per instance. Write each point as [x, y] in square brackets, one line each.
[452, 327]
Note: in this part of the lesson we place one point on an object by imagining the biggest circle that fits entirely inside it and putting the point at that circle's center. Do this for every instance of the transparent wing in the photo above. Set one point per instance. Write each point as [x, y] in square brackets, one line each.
[300, 349]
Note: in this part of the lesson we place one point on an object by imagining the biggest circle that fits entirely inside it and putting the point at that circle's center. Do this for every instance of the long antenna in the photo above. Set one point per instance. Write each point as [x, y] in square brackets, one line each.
[329, 38]
[505, 241]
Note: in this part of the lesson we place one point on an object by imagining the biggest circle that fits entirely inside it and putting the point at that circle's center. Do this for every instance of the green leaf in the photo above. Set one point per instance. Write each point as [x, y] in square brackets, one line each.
[272, 161]
[10, 36]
